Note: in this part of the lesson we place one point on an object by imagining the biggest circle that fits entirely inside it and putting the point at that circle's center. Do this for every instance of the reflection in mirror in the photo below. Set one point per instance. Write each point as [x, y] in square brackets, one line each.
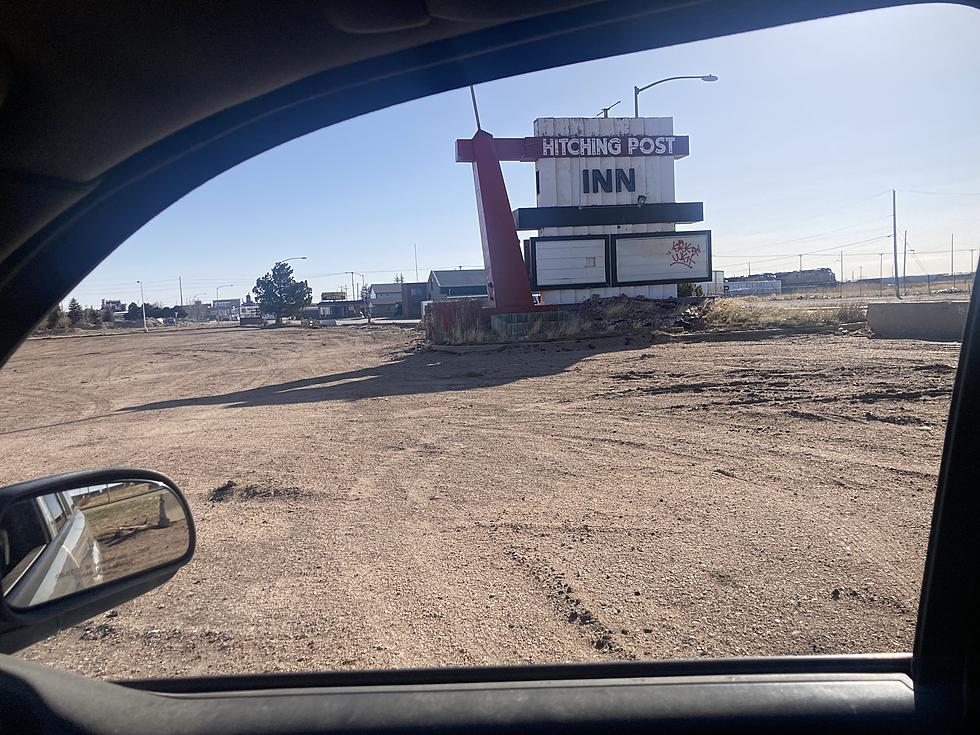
[61, 543]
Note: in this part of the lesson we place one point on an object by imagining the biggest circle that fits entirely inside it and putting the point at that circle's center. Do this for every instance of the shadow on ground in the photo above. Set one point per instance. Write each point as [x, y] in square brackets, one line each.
[447, 369]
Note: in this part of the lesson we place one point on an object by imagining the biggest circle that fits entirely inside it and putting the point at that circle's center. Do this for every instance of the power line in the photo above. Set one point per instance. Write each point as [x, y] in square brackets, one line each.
[818, 235]
[834, 209]
[848, 245]
[783, 256]
[942, 193]
[915, 257]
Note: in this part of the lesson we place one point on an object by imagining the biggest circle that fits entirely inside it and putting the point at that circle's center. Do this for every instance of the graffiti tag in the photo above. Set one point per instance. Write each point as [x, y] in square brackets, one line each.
[683, 252]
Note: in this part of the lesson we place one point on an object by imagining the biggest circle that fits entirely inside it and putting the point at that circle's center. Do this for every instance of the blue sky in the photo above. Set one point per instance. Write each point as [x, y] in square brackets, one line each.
[794, 150]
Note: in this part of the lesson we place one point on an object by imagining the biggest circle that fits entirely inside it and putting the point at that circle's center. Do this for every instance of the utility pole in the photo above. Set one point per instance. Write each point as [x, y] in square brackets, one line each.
[898, 291]
[801, 262]
[143, 304]
[905, 261]
[842, 274]
[861, 280]
[180, 288]
[750, 268]
[969, 280]
[353, 288]
[415, 247]
[881, 274]
[952, 272]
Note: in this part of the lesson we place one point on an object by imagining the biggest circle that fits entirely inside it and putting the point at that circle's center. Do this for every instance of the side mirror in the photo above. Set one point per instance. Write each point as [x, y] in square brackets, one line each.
[72, 546]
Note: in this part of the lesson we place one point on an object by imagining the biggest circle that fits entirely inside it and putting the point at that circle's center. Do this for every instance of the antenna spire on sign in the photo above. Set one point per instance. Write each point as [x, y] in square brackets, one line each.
[476, 110]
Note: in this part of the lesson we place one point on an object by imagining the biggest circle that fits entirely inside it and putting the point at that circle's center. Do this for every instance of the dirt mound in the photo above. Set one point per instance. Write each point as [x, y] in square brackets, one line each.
[232, 491]
[628, 313]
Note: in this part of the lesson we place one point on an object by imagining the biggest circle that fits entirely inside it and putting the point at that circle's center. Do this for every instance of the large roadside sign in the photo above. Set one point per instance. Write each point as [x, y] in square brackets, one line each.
[605, 212]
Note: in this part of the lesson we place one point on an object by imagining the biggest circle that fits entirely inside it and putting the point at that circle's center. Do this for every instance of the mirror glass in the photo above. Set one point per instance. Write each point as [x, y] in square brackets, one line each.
[57, 544]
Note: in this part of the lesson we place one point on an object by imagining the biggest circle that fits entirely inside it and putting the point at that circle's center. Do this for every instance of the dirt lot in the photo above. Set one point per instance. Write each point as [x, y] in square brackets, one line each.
[570, 502]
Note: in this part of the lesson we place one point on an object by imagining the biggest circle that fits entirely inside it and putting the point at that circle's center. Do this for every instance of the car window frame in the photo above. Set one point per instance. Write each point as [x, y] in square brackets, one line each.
[54, 524]
[134, 192]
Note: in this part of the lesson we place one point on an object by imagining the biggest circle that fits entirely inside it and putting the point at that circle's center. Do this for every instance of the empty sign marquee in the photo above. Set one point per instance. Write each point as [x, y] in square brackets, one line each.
[559, 262]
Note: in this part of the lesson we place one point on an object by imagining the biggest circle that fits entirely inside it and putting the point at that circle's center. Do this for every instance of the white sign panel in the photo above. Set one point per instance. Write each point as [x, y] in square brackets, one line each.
[667, 258]
[631, 157]
[570, 262]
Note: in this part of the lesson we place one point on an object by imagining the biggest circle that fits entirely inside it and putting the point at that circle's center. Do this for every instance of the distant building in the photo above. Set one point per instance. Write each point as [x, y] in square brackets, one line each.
[226, 309]
[716, 286]
[386, 298]
[812, 278]
[413, 294]
[250, 313]
[114, 304]
[461, 282]
[340, 309]
[197, 312]
[760, 287]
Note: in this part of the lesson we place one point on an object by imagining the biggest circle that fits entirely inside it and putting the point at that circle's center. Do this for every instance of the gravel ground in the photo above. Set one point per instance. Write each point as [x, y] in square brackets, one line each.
[574, 501]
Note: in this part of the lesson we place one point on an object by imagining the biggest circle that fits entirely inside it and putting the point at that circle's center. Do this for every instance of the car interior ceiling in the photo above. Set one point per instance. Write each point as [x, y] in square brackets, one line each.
[191, 94]
[108, 118]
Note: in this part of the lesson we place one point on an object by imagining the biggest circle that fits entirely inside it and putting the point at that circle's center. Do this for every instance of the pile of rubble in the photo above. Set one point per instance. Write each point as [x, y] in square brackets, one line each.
[629, 313]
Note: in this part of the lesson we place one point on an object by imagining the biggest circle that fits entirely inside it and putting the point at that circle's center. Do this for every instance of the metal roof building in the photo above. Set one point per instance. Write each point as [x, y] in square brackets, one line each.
[460, 282]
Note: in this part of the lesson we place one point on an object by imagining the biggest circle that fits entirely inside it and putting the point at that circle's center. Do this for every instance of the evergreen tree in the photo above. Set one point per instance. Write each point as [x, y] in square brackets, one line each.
[278, 293]
[75, 312]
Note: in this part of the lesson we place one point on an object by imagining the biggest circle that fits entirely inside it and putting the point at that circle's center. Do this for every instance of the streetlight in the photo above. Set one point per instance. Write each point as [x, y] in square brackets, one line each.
[216, 289]
[143, 304]
[298, 257]
[352, 274]
[637, 90]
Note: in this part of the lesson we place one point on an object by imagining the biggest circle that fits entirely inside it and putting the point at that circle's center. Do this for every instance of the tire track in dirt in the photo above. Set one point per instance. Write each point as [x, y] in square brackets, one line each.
[569, 606]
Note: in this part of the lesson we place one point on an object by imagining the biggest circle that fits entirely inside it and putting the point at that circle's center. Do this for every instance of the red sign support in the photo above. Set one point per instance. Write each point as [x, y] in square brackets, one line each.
[507, 283]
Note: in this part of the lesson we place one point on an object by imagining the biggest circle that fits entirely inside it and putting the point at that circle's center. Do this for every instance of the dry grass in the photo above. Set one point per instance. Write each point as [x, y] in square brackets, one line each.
[459, 334]
[546, 329]
[849, 313]
[458, 323]
[736, 314]
[614, 309]
[465, 324]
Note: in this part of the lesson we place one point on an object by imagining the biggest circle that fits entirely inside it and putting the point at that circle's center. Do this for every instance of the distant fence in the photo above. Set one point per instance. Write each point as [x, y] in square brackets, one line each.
[753, 288]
